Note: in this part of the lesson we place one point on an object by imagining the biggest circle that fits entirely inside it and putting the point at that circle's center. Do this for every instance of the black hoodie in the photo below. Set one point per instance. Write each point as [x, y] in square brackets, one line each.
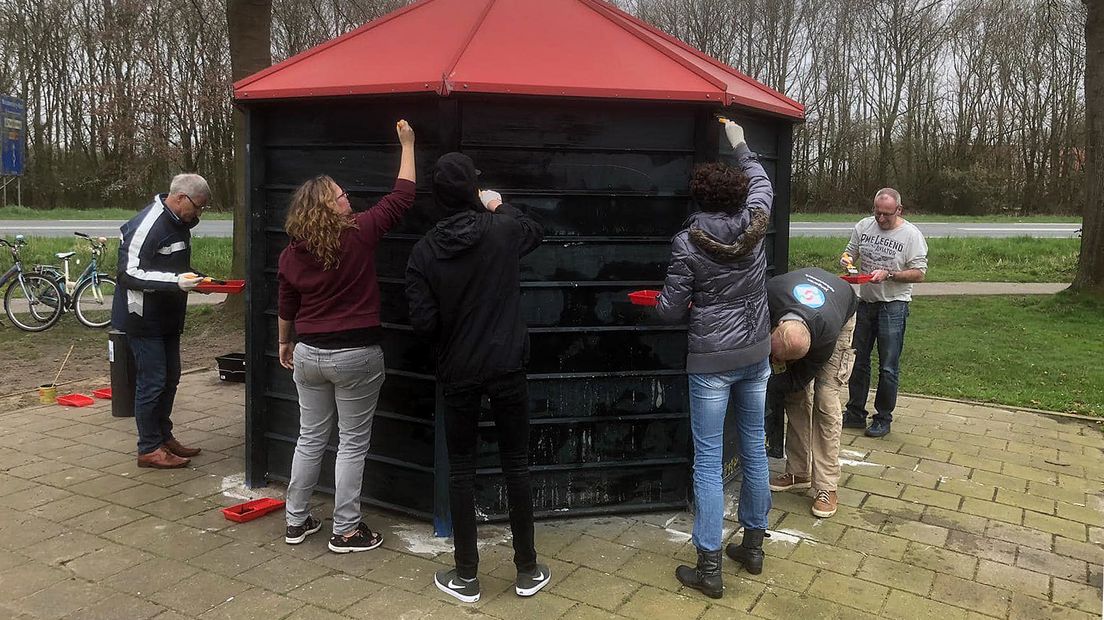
[463, 281]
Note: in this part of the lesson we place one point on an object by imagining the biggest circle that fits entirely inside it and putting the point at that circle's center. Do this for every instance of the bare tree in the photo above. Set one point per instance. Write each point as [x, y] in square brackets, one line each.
[1090, 266]
[249, 26]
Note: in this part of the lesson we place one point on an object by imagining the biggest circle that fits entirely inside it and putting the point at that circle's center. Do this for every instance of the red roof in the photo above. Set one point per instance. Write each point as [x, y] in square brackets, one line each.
[572, 48]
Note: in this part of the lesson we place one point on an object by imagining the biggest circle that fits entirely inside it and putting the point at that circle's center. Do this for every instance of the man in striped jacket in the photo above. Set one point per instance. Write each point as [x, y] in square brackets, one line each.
[155, 276]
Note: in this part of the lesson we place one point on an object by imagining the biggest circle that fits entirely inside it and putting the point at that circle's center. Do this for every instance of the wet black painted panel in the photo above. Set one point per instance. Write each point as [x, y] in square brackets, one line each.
[383, 482]
[560, 306]
[645, 127]
[562, 491]
[366, 120]
[555, 261]
[595, 440]
[593, 170]
[568, 351]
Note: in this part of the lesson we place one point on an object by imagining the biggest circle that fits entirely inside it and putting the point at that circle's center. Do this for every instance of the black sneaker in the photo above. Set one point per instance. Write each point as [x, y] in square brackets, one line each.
[528, 584]
[363, 539]
[450, 583]
[878, 428]
[298, 533]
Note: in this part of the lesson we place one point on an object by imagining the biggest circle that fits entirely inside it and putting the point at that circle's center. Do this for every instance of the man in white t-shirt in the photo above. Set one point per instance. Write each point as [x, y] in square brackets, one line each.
[894, 253]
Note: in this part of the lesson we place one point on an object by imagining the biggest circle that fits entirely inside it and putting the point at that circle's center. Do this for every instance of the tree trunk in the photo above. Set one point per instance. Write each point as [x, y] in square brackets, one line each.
[249, 23]
[1090, 267]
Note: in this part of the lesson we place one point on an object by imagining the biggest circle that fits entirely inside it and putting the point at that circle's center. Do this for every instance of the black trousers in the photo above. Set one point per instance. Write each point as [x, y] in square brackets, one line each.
[509, 395]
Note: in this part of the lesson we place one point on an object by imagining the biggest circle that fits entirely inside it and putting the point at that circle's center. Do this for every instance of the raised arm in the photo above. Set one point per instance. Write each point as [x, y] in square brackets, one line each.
[406, 162]
[385, 214]
[760, 193]
[532, 233]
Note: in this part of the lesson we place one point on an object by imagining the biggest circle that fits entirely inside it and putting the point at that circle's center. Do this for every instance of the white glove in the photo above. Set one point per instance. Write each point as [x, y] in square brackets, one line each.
[487, 196]
[188, 281]
[735, 133]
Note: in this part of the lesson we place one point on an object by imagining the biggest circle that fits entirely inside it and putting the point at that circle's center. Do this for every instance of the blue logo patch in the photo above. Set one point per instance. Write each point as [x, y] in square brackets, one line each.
[809, 295]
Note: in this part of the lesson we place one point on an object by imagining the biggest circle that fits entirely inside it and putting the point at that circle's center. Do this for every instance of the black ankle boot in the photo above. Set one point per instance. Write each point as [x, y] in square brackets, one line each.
[706, 576]
[749, 553]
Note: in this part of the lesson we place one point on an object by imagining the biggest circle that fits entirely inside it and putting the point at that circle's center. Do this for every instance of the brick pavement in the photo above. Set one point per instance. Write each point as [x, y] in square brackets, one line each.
[962, 512]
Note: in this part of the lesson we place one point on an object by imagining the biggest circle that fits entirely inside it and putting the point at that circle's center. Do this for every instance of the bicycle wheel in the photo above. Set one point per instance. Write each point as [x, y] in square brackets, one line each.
[92, 300]
[33, 302]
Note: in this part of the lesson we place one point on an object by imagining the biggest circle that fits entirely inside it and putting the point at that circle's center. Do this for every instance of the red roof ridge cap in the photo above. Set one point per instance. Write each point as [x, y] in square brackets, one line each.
[599, 8]
[446, 83]
[706, 57]
[287, 62]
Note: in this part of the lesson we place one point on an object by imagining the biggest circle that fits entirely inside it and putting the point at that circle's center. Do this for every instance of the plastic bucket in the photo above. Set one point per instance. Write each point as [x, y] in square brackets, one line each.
[47, 394]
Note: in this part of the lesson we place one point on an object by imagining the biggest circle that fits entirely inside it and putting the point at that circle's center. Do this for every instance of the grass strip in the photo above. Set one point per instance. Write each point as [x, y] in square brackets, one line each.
[1041, 352]
[211, 255]
[964, 259]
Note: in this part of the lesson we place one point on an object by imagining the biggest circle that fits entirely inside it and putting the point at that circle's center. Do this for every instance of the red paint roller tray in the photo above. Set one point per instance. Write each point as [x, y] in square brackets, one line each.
[861, 278]
[104, 393]
[644, 298]
[252, 509]
[75, 400]
[221, 286]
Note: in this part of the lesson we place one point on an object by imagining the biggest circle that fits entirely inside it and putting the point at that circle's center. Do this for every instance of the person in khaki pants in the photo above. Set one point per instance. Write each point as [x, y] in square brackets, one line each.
[814, 316]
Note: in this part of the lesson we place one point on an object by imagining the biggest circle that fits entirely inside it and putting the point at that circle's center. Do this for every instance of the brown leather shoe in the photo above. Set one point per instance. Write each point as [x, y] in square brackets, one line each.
[176, 448]
[824, 505]
[786, 482]
[161, 458]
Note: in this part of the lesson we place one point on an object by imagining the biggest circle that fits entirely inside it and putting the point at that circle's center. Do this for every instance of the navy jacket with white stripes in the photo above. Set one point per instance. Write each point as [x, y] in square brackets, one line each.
[156, 248]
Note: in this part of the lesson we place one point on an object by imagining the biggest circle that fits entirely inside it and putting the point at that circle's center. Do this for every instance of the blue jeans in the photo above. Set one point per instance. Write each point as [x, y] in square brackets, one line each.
[157, 373]
[709, 394]
[883, 321]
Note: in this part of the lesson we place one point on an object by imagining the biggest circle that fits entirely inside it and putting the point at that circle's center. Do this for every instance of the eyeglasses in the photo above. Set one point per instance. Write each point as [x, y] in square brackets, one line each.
[341, 195]
[194, 203]
[879, 214]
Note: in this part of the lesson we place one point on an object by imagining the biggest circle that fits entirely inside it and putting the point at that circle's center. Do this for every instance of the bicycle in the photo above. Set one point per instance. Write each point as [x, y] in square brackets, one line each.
[32, 299]
[92, 291]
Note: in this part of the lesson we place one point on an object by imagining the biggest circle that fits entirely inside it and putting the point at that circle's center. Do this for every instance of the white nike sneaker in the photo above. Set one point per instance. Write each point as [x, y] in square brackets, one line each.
[528, 584]
[450, 583]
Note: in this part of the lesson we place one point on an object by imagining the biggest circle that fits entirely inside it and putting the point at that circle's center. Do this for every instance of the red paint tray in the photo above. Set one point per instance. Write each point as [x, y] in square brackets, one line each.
[644, 298]
[252, 509]
[861, 278]
[222, 286]
[75, 400]
[104, 393]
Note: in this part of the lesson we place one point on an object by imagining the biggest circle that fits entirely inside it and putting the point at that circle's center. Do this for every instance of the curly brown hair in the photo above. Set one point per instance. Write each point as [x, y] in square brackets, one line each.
[313, 222]
[719, 187]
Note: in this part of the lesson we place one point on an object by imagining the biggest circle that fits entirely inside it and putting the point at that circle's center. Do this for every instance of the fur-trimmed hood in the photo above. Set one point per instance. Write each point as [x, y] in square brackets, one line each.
[728, 238]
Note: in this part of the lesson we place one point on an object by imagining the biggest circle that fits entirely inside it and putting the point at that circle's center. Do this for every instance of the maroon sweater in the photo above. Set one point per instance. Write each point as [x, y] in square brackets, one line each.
[346, 297]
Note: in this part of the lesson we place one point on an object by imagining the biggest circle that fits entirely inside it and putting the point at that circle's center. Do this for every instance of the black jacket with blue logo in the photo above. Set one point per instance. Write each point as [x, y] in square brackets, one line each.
[156, 248]
[825, 303]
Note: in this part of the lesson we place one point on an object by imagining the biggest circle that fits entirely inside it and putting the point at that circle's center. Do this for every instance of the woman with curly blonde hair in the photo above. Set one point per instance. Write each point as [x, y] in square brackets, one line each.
[329, 331]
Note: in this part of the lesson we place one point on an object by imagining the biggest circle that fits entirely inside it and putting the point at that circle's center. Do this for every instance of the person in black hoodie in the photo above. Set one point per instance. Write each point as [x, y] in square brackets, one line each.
[463, 283]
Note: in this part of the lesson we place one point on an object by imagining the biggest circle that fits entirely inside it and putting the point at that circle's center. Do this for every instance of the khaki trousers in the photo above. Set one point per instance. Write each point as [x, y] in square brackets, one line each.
[815, 418]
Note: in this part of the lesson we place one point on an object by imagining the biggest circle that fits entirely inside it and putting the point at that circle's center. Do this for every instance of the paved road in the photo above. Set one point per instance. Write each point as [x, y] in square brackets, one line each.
[223, 228]
[945, 229]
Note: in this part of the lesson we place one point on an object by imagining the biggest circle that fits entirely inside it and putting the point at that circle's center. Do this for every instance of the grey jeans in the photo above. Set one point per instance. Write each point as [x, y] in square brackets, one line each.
[346, 382]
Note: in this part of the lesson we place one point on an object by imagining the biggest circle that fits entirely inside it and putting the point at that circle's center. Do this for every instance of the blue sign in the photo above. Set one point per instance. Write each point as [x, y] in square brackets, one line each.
[13, 131]
[809, 295]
